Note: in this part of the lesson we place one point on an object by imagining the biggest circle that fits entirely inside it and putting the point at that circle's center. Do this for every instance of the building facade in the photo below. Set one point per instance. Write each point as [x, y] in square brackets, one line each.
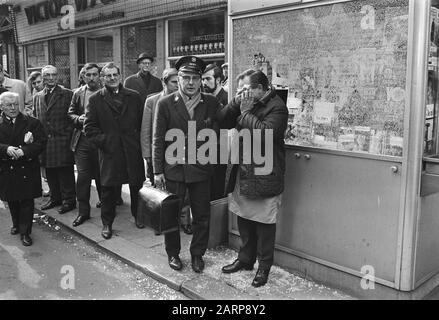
[69, 33]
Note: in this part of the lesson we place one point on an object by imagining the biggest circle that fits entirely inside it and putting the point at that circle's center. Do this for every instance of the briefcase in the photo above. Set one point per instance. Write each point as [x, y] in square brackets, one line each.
[159, 209]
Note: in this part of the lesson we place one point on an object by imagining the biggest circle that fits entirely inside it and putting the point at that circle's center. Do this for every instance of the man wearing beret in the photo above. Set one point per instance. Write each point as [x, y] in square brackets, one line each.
[187, 107]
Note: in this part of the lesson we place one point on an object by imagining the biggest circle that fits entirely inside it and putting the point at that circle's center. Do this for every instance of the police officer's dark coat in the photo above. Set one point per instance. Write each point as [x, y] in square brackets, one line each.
[171, 113]
[116, 132]
[58, 126]
[20, 179]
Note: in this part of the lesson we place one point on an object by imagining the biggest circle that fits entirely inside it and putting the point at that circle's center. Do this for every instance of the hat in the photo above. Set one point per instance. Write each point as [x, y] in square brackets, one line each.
[144, 56]
[225, 65]
[190, 64]
[169, 72]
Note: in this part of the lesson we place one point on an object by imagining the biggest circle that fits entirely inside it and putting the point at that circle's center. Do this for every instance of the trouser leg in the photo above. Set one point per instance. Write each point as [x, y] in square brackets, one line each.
[66, 177]
[14, 209]
[26, 216]
[266, 234]
[108, 205]
[172, 239]
[53, 182]
[134, 196]
[85, 169]
[247, 231]
[199, 198]
[119, 192]
[96, 173]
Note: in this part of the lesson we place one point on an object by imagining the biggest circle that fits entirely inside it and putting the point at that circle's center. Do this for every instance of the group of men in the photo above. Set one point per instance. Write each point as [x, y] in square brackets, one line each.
[108, 129]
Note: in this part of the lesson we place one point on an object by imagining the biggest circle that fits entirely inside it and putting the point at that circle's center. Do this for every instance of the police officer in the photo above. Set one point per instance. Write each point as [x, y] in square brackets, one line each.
[175, 111]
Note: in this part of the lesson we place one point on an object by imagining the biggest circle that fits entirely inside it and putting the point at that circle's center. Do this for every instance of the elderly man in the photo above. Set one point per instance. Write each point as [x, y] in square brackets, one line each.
[256, 199]
[22, 139]
[20, 87]
[143, 81]
[212, 79]
[170, 85]
[51, 107]
[188, 106]
[86, 154]
[112, 122]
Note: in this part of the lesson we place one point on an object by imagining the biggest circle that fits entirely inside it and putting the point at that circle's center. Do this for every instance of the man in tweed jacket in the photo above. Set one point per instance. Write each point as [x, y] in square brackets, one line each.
[51, 107]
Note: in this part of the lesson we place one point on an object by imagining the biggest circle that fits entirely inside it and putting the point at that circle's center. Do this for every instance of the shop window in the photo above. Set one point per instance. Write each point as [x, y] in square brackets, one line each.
[100, 49]
[59, 56]
[344, 66]
[203, 35]
[36, 56]
[137, 39]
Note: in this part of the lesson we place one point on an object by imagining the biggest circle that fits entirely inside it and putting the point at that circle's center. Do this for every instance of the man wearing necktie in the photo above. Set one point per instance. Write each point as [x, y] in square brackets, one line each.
[113, 121]
[22, 139]
[51, 107]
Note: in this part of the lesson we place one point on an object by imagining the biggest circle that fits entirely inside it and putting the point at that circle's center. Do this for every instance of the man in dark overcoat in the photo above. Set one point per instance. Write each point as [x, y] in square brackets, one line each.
[51, 107]
[143, 81]
[178, 111]
[22, 139]
[113, 120]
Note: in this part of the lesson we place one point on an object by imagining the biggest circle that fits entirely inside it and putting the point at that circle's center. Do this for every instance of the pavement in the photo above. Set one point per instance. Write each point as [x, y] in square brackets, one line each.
[145, 251]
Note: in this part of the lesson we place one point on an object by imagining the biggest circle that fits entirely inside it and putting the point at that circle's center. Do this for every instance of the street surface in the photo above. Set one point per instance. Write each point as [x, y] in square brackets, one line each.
[59, 265]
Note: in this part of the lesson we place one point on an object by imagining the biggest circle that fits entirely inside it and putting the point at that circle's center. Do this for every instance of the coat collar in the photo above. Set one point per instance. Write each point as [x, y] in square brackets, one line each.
[109, 100]
[180, 106]
[55, 96]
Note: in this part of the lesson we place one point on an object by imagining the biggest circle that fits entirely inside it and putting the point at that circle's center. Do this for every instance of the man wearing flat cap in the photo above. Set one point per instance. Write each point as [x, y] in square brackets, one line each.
[184, 109]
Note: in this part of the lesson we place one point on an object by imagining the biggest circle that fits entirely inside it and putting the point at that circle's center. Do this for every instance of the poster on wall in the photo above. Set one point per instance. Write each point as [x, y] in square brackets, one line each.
[346, 73]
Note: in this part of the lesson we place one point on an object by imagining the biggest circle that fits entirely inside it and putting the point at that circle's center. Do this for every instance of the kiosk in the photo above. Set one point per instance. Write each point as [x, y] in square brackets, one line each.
[360, 208]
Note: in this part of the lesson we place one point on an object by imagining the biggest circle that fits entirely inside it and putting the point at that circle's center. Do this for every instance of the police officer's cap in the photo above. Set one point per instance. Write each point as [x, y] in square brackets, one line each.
[190, 64]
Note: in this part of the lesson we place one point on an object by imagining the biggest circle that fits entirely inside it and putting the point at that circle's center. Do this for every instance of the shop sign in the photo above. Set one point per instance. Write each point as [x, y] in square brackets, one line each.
[54, 8]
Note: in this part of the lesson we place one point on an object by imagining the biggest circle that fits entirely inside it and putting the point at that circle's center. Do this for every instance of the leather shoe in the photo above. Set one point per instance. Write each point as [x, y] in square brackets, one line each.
[119, 202]
[80, 220]
[98, 204]
[187, 229]
[50, 204]
[261, 278]
[14, 231]
[197, 264]
[26, 240]
[139, 224]
[107, 232]
[175, 263]
[66, 207]
[236, 266]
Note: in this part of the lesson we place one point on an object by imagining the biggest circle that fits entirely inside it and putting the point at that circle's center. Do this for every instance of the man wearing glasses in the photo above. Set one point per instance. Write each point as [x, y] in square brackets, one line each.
[175, 111]
[22, 139]
[86, 154]
[51, 107]
[113, 120]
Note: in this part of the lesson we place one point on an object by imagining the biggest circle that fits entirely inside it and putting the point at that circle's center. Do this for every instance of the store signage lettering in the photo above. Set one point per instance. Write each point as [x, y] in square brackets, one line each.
[53, 8]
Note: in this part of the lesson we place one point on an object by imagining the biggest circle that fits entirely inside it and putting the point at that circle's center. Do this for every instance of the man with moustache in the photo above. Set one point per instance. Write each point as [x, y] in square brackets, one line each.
[174, 112]
[51, 107]
[212, 79]
[113, 120]
[86, 154]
